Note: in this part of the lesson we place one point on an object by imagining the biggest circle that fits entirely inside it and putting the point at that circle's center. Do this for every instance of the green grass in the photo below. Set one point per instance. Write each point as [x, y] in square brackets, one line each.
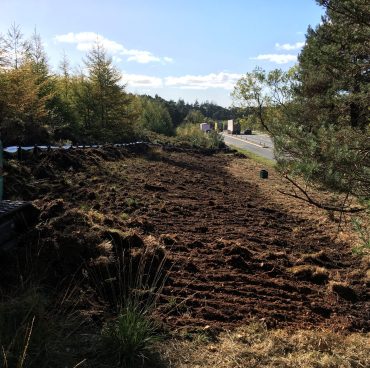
[129, 339]
[255, 157]
[124, 216]
[132, 202]
[131, 289]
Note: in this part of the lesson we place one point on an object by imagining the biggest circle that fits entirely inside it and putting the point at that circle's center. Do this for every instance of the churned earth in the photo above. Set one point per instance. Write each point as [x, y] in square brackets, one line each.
[236, 249]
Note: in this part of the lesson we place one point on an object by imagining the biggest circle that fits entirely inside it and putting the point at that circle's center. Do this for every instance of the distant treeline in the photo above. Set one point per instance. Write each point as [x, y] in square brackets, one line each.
[85, 105]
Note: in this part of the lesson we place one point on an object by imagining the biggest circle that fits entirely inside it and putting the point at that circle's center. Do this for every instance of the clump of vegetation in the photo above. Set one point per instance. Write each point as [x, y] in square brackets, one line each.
[130, 337]
[42, 329]
[131, 288]
[315, 274]
[34, 333]
[155, 116]
[132, 203]
[194, 137]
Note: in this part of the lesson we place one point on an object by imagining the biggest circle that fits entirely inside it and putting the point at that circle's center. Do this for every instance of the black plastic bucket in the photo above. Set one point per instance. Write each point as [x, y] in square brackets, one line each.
[264, 174]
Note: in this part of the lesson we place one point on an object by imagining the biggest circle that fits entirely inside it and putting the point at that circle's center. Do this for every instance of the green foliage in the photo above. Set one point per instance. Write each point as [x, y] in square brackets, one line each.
[194, 117]
[108, 112]
[26, 89]
[326, 138]
[86, 106]
[364, 235]
[215, 140]
[317, 113]
[39, 107]
[265, 95]
[191, 135]
[129, 338]
[131, 287]
[155, 117]
[179, 110]
[132, 203]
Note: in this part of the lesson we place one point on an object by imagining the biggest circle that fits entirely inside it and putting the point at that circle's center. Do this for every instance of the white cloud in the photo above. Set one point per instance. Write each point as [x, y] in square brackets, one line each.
[142, 57]
[277, 58]
[139, 80]
[195, 82]
[85, 41]
[117, 59]
[220, 80]
[289, 46]
[168, 59]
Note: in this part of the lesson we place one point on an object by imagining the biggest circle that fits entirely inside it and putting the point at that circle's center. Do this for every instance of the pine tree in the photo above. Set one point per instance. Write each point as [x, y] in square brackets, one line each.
[326, 137]
[318, 113]
[110, 111]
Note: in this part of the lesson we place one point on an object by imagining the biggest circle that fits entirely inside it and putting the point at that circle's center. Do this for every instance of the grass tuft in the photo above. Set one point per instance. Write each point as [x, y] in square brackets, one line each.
[129, 338]
[35, 333]
[314, 274]
[131, 288]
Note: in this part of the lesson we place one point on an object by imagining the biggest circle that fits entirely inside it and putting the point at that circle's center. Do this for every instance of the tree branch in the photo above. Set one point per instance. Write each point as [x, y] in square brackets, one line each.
[307, 198]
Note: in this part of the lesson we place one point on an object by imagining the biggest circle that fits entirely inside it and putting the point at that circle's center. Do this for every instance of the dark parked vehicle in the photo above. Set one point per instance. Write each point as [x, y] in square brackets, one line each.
[247, 131]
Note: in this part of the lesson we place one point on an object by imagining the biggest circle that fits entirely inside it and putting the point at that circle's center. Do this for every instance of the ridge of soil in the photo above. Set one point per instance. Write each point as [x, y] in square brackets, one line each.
[237, 250]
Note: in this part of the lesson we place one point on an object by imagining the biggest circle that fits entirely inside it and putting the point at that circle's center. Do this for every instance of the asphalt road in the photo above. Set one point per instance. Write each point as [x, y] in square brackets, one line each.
[260, 144]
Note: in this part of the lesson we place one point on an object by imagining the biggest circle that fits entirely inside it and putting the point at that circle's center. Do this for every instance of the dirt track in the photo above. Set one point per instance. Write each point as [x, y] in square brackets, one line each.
[237, 253]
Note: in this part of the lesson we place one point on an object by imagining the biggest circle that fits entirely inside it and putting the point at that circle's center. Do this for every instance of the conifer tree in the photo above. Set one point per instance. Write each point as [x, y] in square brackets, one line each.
[318, 113]
[327, 138]
[110, 110]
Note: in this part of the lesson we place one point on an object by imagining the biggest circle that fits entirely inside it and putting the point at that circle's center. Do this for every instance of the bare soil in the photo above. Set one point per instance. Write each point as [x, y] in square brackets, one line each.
[237, 250]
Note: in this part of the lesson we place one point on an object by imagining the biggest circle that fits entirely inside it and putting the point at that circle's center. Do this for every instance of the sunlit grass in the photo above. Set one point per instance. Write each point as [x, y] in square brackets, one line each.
[255, 346]
[253, 156]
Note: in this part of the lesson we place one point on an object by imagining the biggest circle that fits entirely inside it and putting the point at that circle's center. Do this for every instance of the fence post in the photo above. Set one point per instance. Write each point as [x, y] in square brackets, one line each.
[1, 172]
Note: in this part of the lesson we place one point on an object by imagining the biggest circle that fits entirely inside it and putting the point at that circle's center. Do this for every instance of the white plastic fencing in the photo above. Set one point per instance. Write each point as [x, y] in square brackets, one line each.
[15, 149]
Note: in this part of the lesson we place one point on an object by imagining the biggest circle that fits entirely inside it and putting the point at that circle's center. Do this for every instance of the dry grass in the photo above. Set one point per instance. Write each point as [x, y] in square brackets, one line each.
[255, 346]
[310, 273]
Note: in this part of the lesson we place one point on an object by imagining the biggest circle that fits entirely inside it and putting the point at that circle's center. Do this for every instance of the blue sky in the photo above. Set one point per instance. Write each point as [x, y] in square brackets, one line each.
[191, 49]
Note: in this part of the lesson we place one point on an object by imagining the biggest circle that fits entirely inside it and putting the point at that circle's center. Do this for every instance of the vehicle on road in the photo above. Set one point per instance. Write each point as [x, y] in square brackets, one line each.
[247, 131]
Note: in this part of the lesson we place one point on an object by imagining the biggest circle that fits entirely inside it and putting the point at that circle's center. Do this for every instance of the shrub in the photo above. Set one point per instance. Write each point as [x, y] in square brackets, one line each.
[191, 134]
